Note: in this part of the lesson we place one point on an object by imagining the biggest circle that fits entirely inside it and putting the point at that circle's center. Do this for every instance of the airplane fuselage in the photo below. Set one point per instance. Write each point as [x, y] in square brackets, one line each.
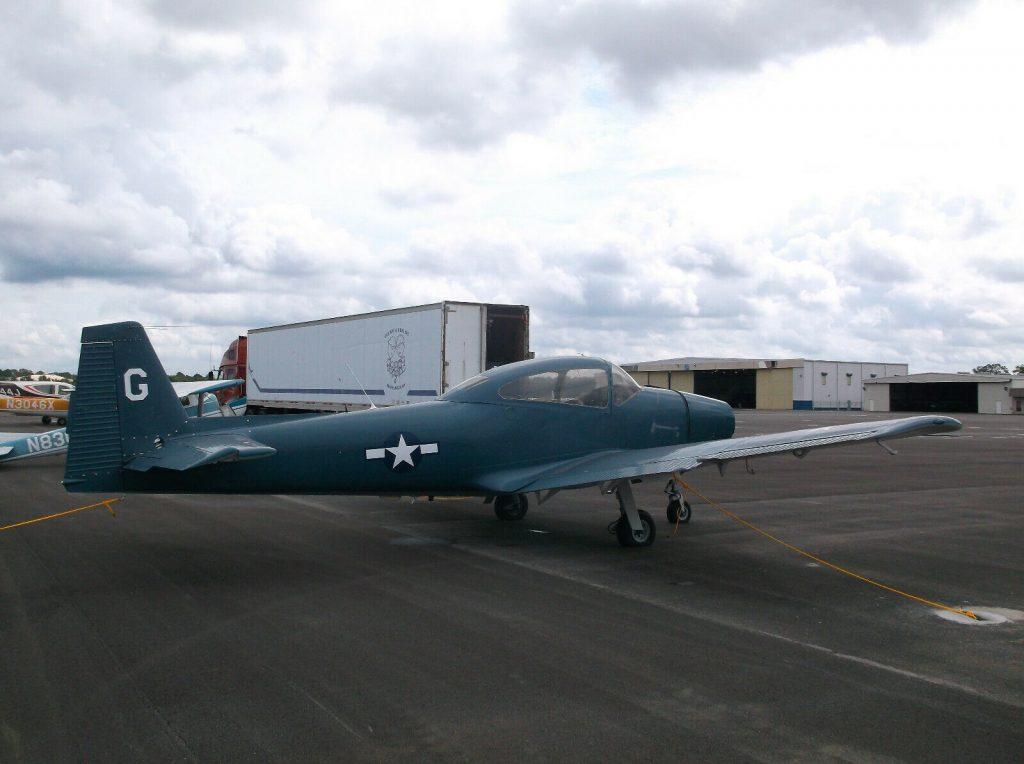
[438, 447]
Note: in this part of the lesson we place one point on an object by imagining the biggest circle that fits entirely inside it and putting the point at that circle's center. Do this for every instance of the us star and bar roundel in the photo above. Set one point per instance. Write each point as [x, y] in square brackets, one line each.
[403, 452]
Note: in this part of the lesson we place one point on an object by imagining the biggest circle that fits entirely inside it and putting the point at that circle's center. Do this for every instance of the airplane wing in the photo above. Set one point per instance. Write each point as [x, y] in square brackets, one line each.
[189, 452]
[621, 464]
[185, 389]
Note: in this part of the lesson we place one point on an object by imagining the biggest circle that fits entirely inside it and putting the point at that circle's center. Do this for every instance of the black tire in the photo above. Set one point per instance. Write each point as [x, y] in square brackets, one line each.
[625, 534]
[46, 420]
[62, 422]
[511, 506]
[678, 512]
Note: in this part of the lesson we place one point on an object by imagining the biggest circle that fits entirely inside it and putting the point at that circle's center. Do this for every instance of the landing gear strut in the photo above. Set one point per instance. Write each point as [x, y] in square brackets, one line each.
[511, 506]
[678, 510]
[635, 527]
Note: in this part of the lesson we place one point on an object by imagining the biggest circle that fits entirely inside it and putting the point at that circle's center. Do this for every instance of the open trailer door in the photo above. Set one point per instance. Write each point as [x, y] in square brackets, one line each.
[507, 334]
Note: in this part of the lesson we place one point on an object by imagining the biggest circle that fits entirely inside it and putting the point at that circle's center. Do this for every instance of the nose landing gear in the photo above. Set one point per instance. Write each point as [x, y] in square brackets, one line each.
[679, 509]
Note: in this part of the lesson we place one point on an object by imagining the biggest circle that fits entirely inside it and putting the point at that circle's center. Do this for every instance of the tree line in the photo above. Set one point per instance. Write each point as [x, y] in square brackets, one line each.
[26, 374]
[998, 368]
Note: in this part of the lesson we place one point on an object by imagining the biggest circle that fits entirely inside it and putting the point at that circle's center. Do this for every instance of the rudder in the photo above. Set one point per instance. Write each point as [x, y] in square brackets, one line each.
[123, 405]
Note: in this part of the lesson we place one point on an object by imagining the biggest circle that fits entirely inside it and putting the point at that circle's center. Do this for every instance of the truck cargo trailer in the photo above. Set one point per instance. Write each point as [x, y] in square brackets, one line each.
[390, 357]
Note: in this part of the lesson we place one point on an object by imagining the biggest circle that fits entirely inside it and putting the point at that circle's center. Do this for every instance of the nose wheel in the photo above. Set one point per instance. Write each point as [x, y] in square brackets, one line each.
[678, 511]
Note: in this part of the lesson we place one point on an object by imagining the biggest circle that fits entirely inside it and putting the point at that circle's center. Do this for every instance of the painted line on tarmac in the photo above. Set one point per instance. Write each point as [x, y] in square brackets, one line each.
[648, 600]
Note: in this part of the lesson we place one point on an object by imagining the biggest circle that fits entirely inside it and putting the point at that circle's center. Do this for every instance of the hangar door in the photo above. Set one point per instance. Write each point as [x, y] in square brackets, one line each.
[951, 397]
[737, 387]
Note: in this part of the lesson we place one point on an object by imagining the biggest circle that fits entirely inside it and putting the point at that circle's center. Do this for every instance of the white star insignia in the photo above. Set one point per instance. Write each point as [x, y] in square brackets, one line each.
[402, 452]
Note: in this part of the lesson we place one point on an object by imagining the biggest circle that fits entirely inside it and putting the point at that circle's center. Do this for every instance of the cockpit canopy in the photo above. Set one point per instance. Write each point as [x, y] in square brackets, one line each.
[572, 380]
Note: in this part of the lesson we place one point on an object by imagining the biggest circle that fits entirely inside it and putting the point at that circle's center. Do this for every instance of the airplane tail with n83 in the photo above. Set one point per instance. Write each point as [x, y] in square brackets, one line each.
[537, 426]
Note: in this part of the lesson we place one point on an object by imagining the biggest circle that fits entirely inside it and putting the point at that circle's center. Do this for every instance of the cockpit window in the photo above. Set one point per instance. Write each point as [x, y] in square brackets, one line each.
[574, 387]
[624, 386]
[585, 387]
[535, 387]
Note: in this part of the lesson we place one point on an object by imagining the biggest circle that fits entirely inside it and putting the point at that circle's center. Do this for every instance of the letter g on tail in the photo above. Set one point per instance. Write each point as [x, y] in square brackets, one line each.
[135, 390]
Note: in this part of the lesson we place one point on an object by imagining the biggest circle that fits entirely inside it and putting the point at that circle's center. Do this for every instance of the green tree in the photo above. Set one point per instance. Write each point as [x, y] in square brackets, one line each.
[991, 368]
[1019, 368]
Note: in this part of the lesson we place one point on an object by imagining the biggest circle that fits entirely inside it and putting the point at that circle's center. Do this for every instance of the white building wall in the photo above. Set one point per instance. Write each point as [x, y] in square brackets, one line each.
[800, 376]
[848, 382]
[876, 397]
[872, 370]
[895, 370]
[824, 384]
[994, 398]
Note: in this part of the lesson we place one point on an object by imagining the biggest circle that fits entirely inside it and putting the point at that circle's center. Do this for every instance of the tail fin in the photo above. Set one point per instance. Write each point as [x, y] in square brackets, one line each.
[123, 406]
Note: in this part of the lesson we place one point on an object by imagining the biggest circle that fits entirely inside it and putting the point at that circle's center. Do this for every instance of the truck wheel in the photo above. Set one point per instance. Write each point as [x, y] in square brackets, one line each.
[511, 506]
[62, 422]
[46, 420]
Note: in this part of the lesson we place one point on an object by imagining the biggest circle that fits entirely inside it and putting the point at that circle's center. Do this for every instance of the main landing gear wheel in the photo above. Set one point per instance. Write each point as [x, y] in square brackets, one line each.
[628, 537]
[678, 512]
[511, 506]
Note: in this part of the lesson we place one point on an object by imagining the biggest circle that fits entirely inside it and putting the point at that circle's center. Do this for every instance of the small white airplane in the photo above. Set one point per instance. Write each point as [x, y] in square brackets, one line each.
[193, 396]
[45, 399]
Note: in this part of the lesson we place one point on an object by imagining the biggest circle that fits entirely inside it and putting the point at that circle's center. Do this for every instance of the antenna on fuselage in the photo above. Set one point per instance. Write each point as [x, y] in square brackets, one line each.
[350, 371]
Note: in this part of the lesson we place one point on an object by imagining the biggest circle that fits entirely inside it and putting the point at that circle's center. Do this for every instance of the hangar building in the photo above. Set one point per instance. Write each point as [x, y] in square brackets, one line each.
[792, 383]
[950, 393]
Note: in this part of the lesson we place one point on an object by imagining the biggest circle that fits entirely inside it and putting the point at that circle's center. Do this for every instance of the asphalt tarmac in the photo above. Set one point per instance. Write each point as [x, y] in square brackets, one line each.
[327, 628]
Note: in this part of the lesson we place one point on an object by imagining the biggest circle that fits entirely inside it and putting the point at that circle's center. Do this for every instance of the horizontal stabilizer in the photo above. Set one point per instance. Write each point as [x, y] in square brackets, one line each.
[185, 389]
[189, 452]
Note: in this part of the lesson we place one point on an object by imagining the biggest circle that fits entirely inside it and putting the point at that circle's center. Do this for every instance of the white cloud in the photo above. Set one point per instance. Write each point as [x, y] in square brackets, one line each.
[819, 179]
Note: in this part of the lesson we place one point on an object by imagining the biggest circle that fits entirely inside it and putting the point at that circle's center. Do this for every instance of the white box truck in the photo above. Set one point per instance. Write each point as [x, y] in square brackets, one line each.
[389, 357]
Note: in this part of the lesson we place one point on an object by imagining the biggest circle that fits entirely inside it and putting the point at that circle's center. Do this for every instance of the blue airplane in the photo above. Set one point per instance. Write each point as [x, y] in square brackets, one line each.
[537, 426]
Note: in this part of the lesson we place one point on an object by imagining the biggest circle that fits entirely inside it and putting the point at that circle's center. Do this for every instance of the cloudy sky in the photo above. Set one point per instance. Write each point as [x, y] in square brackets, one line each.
[825, 178]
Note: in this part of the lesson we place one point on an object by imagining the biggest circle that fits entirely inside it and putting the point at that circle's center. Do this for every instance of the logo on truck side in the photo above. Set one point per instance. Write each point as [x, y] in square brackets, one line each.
[395, 363]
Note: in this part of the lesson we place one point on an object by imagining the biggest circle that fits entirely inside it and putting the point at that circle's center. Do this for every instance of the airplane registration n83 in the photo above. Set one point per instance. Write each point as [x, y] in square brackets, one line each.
[537, 426]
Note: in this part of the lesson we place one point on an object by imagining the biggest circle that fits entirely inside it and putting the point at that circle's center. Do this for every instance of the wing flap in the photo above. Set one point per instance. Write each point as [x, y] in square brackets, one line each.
[188, 453]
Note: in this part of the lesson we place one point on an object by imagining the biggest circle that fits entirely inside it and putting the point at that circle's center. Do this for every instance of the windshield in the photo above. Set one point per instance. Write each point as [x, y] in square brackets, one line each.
[465, 385]
[624, 386]
[575, 387]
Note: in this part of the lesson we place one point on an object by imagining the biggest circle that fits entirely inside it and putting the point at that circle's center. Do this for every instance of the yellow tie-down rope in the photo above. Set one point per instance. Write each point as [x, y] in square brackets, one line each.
[105, 503]
[686, 487]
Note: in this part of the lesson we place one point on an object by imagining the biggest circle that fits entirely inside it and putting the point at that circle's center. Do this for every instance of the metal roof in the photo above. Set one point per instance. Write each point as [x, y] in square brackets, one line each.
[698, 363]
[379, 313]
[941, 377]
[692, 363]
